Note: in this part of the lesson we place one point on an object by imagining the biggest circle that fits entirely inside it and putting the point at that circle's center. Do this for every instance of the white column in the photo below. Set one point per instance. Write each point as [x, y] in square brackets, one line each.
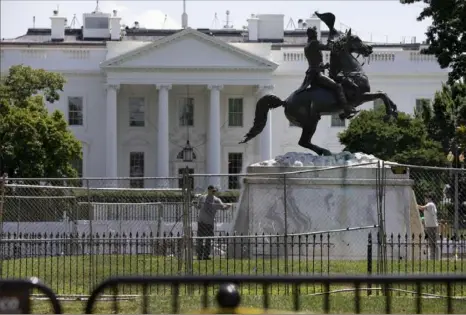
[111, 152]
[213, 139]
[163, 147]
[266, 134]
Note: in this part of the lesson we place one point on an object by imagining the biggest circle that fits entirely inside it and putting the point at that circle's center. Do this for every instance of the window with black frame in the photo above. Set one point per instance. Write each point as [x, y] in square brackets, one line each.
[75, 111]
[235, 166]
[136, 169]
[186, 112]
[136, 112]
[235, 112]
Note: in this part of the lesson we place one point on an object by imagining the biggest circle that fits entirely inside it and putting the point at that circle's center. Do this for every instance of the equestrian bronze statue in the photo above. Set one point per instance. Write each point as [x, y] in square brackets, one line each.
[305, 106]
[315, 75]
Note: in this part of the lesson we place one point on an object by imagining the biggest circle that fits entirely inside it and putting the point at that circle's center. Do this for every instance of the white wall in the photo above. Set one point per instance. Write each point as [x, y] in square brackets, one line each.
[55, 58]
[92, 89]
[144, 139]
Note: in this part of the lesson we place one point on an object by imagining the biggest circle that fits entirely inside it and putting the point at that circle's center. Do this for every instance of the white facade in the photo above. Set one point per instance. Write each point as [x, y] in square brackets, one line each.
[224, 79]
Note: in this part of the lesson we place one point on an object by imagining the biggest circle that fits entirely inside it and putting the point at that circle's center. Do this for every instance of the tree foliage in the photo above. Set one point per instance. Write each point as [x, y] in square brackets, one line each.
[34, 143]
[447, 34]
[422, 139]
[404, 140]
[446, 113]
[459, 95]
[445, 120]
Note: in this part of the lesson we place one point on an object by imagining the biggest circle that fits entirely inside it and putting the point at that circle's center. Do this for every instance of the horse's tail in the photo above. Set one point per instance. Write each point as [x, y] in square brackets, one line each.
[264, 104]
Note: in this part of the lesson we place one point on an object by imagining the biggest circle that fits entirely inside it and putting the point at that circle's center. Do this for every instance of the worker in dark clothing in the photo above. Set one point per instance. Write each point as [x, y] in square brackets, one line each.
[208, 205]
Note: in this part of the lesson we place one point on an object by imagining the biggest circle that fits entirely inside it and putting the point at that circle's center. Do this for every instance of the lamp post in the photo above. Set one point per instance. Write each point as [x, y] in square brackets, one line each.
[188, 157]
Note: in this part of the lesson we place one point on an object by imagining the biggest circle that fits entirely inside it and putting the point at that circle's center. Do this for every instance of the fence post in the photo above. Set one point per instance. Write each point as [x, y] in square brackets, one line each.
[187, 226]
[91, 237]
[286, 227]
[456, 203]
[286, 223]
[2, 199]
[381, 242]
[369, 261]
[189, 237]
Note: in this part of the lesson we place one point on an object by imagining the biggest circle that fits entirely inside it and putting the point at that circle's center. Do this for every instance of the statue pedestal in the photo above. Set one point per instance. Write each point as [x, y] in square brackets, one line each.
[341, 205]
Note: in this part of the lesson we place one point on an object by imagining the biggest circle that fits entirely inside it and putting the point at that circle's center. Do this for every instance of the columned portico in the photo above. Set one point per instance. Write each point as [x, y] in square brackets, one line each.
[163, 148]
[213, 139]
[169, 67]
[266, 134]
[111, 167]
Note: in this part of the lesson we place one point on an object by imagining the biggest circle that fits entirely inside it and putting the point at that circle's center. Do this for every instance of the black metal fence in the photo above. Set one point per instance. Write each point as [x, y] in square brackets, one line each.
[17, 296]
[229, 300]
[72, 264]
[416, 254]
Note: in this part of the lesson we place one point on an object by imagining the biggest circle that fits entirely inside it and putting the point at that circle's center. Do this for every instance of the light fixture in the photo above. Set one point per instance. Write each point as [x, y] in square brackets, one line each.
[188, 154]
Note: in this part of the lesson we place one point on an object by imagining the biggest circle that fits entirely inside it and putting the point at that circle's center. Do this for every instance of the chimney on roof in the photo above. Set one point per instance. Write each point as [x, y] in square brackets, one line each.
[58, 27]
[266, 27]
[253, 28]
[115, 26]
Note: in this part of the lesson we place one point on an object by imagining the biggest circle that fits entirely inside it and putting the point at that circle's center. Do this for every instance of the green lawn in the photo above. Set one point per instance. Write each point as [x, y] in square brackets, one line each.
[339, 304]
[70, 275]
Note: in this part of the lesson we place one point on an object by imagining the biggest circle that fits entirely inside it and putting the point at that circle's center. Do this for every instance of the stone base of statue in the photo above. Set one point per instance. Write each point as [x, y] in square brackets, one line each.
[332, 204]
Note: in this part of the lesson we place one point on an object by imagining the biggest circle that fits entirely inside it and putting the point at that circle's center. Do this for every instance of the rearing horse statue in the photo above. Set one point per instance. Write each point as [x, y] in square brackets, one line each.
[305, 108]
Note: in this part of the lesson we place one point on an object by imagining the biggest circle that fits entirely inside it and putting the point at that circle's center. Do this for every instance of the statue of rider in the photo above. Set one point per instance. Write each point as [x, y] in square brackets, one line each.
[314, 74]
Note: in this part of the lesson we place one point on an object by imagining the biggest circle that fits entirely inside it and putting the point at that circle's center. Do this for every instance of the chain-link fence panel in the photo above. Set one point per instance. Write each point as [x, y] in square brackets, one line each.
[446, 188]
[339, 201]
[89, 206]
[35, 206]
[73, 235]
[149, 205]
[174, 183]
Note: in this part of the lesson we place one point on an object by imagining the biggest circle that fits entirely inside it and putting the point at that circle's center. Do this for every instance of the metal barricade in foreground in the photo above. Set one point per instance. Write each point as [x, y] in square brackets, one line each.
[387, 282]
[15, 296]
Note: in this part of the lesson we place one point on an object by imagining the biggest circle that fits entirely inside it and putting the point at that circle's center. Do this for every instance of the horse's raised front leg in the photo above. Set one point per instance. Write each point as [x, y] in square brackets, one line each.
[391, 109]
[306, 136]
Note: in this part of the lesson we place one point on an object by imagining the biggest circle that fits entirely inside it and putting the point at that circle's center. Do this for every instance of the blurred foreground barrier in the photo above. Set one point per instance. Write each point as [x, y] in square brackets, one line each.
[229, 299]
[15, 296]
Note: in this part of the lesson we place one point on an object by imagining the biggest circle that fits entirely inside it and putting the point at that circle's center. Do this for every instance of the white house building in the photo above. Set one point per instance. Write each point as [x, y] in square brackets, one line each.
[135, 96]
